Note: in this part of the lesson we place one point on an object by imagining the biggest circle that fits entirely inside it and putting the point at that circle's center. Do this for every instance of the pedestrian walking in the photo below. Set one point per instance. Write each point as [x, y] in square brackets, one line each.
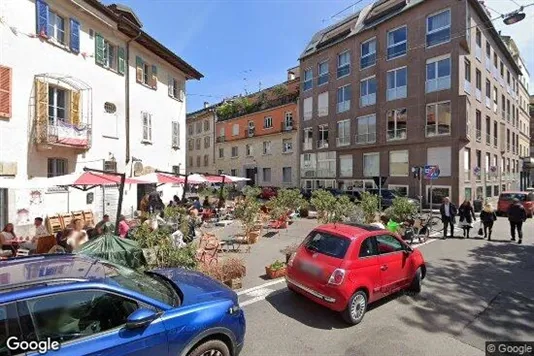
[516, 216]
[448, 216]
[488, 217]
[467, 216]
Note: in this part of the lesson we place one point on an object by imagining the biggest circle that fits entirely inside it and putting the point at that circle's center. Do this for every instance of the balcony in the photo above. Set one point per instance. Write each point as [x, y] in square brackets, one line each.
[488, 139]
[438, 84]
[488, 64]
[369, 99]
[62, 134]
[287, 126]
[220, 139]
[343, 141]
[399, 134]
[478, 134]
[250, 132]
[307, 145]
[478, 95]
[467, 86]
[322, 144]
[488, 102]
[366, 138]
[478, 53]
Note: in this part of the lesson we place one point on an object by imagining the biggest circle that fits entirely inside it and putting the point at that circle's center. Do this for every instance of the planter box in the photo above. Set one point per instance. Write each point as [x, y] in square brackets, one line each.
[272, 274]
[235, 283]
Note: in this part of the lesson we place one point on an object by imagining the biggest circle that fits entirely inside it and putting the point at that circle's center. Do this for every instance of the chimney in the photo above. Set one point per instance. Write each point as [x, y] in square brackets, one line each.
[290, 75]
[206, 104]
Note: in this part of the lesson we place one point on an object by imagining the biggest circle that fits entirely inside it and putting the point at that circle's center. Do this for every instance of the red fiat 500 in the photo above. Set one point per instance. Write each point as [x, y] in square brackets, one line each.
[345, 267]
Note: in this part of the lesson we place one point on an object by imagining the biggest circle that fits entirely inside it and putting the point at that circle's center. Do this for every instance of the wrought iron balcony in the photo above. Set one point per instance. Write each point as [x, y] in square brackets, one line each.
[63, 134]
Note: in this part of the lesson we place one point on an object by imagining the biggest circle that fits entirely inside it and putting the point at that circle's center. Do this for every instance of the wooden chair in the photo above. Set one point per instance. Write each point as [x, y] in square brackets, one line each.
[89, 218]
[54, 224]
[66, 219]
[44, 244]
[210, 250]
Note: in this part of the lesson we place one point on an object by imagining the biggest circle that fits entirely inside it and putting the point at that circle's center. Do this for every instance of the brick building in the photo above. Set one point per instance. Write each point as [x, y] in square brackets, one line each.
[408, 83]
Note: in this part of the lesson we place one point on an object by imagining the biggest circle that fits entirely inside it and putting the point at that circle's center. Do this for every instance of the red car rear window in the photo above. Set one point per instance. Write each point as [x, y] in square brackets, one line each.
[512, 196]
[327, 244]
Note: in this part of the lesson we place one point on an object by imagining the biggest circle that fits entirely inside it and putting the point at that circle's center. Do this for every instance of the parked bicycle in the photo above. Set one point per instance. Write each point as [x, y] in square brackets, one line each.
[421, 226]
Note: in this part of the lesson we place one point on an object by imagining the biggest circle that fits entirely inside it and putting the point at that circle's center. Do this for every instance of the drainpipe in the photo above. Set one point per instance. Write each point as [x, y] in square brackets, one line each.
[127, 95]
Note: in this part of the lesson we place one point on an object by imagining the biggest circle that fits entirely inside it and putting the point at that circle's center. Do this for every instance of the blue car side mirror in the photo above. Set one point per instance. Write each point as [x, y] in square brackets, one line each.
[141, 318]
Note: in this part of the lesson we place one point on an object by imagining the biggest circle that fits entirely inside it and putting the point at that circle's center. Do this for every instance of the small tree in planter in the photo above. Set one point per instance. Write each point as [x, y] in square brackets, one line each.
[233, 269]
[369, 205]
[277, 269]
[401, 210]
[324, 202]
[343, 208]
[287, 200]
[247, 211]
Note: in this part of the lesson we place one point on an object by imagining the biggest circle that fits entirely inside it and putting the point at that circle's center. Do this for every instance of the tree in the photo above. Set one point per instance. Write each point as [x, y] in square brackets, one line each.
[369, 204]
[248, 210]
[401, 209]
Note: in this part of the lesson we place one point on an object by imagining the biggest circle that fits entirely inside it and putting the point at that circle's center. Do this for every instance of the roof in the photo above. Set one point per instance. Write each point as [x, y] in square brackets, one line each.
[199, 112]
[349, 230]
[130, 25]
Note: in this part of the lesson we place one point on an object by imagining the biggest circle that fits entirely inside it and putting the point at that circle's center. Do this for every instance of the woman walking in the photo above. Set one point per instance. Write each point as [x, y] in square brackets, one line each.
[488, 217]
[467, 215]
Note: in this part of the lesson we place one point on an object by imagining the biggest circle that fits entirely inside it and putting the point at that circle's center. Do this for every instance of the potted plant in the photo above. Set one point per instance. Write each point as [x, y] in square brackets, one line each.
[277, 269]
[247, 211]
[289, 250]
[233, 270]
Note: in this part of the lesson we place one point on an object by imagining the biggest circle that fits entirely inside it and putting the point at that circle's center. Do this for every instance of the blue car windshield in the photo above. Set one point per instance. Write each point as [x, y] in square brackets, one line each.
[151, 285]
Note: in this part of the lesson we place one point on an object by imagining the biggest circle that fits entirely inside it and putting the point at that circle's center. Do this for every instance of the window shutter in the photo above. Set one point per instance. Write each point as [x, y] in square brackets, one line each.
[169, 86]
[122, 60]
[154, 76]
[41, 8]
[41, 110]
[182, 91]
[74, 36]
[5, 92]
[75, 108]
[139, 69]
[99, 49]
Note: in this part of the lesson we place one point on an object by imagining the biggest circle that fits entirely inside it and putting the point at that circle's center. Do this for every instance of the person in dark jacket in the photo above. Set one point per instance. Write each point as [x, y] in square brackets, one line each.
[467, 216]
[517, 216]
[448, 213]
[488, 217]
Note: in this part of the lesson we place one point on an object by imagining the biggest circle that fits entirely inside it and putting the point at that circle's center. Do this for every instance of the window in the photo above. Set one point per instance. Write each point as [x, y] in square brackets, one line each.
[495, 99]
[56, 27]
[368, 56]
[287, 145]
[57, 105]
[175, 134]
[438, 74]
[206, 160]
[368, 248]
[438, 119]
[190, 129]
[198, 126]
[368, 91]
[288, 121]
[57, 167]
[53, 314]
[176, 89]
[323, 73]
[398, 163]
[198, 161]
[438, 28]
[308, 108]
[147, 127]
[322, 104]
[388, 244]
[371, 164]
[267, 147]
[397, 124]
[267, 122]
[248, 150]
[345, 166]
[235, 151]
[326, 164]
[286, 174]
[266, 175]
[495, 134]
[307, 138]
[235, 130]
[146, 74]
[343, 64]
[110, 60]
[438, 193]
[478, 83]
[322, 141]
[191, 161]
[441, 157]
[191, 144]
[343, 98]
[397, 84]
[206, 125]
[488, 93]
[400, 190]
[221, 152]
[467, 70]
[366, 129]
[343, 133]
[326, 244]
[397, 42]
[308, 79]
[197, 143]
[207, 142]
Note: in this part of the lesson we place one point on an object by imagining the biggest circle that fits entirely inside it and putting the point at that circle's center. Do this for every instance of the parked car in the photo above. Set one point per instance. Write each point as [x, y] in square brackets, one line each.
[344, 267]
[96, 307]
[506, 198]
[268, 193]
[388, 196]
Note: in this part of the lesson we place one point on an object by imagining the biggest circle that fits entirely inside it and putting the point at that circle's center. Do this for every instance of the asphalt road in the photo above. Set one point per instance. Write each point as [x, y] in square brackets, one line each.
[475, 291]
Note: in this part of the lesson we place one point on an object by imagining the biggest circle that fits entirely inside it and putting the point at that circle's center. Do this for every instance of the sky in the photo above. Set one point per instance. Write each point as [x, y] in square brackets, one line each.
[244, 45]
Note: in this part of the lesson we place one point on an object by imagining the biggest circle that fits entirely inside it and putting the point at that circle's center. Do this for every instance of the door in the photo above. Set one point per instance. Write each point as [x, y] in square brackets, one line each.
[393, 263]
[90, 322]
[366, 269]
[250, 173]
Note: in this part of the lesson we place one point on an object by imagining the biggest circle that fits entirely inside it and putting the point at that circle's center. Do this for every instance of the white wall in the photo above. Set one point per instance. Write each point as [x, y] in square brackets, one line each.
[29, 56]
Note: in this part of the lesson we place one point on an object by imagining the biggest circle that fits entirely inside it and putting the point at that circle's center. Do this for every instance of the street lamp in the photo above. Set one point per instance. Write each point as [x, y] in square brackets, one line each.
[514, 17]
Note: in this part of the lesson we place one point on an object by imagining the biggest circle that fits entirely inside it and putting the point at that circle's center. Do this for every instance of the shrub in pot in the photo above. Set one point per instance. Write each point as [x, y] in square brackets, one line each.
[276, 269]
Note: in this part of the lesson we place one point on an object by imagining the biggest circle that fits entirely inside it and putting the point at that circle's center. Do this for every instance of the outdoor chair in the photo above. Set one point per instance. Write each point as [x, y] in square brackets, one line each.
[44, 244]
[66, 219]
[54, 224]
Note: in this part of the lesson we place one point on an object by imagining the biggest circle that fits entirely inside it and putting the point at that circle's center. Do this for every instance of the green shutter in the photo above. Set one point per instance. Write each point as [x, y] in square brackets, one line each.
[154, 76]
[99, 49]
[122, 60]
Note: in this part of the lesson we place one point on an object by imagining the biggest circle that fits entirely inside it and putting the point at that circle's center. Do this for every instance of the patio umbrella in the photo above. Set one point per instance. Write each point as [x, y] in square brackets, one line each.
[196, 179]
[161, 178]
[227, 179]
[80, 180]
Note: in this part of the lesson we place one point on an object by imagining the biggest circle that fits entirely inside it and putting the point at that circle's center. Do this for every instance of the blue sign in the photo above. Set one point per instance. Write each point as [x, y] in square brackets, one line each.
[431, 172]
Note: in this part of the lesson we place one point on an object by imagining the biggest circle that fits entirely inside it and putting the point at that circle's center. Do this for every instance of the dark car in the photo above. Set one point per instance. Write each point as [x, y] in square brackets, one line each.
[388, 195]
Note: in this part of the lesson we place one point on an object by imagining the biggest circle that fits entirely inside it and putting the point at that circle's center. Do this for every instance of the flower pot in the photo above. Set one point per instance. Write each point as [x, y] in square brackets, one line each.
[234, 283]
[253, 236]
[275, 273]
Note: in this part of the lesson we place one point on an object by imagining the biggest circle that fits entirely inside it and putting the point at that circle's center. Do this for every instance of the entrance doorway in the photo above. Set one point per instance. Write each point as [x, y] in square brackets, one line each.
[142, 190]
[250, 173]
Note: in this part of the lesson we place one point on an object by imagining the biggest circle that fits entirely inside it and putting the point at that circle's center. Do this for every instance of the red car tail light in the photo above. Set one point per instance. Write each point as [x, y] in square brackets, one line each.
[337, 277]
[291, 259]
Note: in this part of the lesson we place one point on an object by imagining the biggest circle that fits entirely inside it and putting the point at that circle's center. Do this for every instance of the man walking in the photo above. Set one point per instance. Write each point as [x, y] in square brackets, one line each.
[448, 216]
[517, 216]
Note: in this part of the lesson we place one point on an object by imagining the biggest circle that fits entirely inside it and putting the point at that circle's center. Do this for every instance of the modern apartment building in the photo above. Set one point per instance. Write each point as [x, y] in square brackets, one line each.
[201, 140]
[402, 84]
[83, 85]
[257, 137]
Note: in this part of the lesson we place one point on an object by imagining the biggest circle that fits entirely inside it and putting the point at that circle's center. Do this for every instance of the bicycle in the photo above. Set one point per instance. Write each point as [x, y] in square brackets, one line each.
[422, 225]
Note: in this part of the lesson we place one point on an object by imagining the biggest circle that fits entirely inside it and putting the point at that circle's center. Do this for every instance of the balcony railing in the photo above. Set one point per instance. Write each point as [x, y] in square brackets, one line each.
[366, 138]
[488, 139]
[478, 95]
[307, 145]
[478, 134]
[287, 126]
[467, 175]
[478, 52]
[63, 134]
[343, 141]
[399, 134]
[322, 144]
[467, 86]
[488, 102]
[495, 141]
[220, 139]
[487, 64]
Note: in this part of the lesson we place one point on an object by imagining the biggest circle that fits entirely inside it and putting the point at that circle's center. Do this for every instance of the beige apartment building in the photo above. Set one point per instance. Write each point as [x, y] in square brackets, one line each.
[402, 84]
[201, 140]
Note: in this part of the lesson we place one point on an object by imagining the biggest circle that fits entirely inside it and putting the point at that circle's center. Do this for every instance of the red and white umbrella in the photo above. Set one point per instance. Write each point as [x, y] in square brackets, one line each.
[161, 178]
[227, 179]
[83, 180]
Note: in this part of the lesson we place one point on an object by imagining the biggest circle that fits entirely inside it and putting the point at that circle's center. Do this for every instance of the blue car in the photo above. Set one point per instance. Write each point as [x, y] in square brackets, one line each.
[94, 307]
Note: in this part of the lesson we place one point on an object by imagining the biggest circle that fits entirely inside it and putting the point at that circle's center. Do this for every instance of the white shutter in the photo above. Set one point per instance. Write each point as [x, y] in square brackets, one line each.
[170, 86]
[175, 134]
[441, 157]
[308, 108]
[322, 103]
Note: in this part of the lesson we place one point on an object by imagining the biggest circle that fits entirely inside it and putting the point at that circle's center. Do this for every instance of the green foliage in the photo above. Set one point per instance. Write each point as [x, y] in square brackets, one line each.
[276, 265]
[369, 204]
[332, 209]
[280, 90]
[286, 200]
[342, 209]
[401, 210]
[248, 209]
[227, 110]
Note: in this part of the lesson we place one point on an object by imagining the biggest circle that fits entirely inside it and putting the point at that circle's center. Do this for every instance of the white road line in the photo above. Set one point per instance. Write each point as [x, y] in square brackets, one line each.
[273, 282]
[261, 298]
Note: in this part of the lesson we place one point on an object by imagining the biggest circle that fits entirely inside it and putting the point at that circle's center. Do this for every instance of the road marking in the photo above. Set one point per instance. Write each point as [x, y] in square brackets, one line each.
[261, 297]
[273, 282]
[259, 292]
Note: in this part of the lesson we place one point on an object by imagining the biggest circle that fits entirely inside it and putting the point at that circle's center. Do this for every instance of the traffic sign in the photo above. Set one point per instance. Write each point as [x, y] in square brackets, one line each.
[379, 181]
[431, 172]
[477, 171]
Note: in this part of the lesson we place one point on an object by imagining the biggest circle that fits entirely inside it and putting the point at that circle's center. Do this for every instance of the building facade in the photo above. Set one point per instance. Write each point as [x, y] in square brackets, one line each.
[403, 84]
[201, 140]
[259, 139]
[84, 86]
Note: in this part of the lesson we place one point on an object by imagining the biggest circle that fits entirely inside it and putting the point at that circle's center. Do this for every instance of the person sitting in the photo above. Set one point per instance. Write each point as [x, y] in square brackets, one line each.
[123, 227]
[7, 238]
[196, 204]
[98, 227]
[40, 230]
